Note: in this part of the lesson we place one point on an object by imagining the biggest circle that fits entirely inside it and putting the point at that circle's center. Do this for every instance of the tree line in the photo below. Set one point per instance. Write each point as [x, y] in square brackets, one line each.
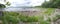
[51, 4]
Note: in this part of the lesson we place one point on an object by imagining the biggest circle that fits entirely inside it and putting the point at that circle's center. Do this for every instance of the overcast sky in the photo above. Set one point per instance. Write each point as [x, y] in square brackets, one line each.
[26, 2]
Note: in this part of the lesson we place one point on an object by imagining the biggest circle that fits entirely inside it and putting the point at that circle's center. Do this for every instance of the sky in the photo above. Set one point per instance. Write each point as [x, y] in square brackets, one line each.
[26, 2]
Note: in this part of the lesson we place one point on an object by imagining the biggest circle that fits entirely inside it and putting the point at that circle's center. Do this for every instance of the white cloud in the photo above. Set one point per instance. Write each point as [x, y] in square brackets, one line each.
[36, 2]
[23, 3]
[26, 2]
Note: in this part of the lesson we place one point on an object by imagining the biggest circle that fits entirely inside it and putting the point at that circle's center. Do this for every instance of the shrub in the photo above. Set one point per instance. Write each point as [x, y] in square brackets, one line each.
[11, 17]
[58, 16]
[29, 19]
[33, 19]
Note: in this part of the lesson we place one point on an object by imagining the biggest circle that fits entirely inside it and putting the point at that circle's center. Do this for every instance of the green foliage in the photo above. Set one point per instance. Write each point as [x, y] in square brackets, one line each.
[58, 16]
[52, 4]
[55, 18]
[49, 19]
[44, 22]
[33, 19]
[29, 19]
[11, 17]
[49, 11]
[2, 6]
[8, 3]
[16, 17]
[11, 13]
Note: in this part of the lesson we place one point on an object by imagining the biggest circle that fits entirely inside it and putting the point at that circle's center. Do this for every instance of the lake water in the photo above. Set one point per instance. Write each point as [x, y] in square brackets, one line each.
[20, 9]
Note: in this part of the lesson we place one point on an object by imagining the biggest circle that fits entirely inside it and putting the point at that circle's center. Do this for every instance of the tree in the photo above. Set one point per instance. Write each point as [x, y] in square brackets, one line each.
[2, 6]
[8, 3]
[52, 4]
